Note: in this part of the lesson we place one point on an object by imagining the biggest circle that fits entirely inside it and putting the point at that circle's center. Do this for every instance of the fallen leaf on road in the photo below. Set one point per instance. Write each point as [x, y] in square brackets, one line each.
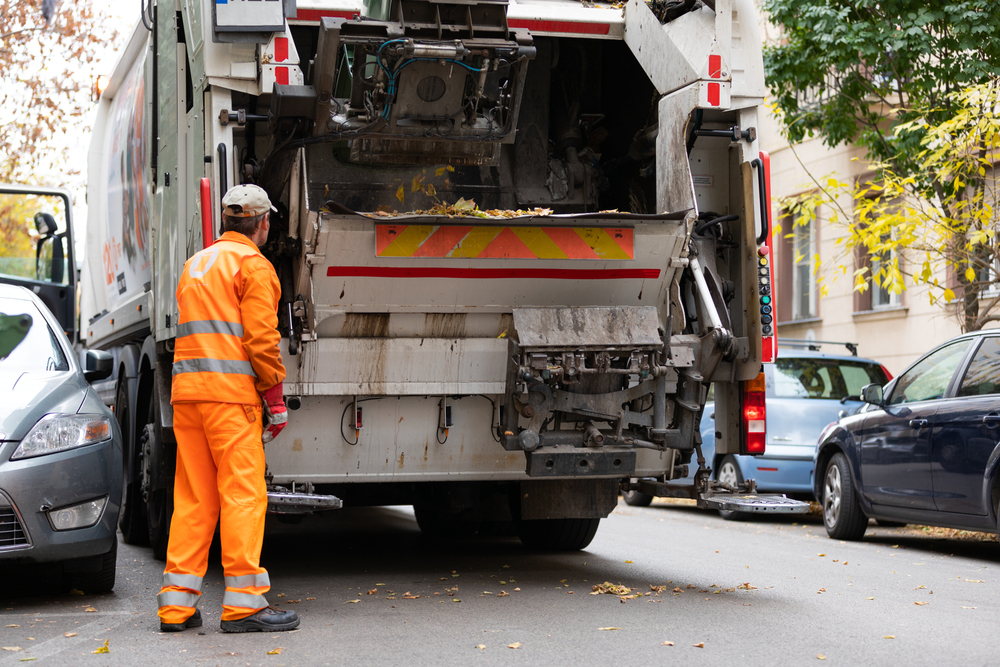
[975, 581]
[628, 561]
[292, 601]
[671, 643]
[13, 626]
[609, 628]
[352, 601]
[608, 587]
[280, 595]
[966, 607]
[919, 587]
[747, 587]
[487, 592]
[845, 562]
[503, 583]
[869, 598]
[12, 648]
[90, 609]
[518, 589]
[888, 636]
[276, 651]
[28, 659]
[820, 656]
[678, 590]
[103, 649]
[70, 634]
[503, 594]
[456, 575]
[482, 646]
[821, 555]
[310, 598]
[455, 600]
[514, 645]
[822, 590]
[699, 645]
[372, 591]
[408, 596]
[691, 586]
[920, 603]
[657, 589]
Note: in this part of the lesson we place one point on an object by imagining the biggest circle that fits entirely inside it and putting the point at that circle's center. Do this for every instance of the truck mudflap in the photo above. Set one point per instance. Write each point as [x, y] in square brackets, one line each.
[281, 500]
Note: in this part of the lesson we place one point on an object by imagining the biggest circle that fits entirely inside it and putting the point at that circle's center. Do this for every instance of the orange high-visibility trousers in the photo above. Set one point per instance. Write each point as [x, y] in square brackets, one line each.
[220, 468]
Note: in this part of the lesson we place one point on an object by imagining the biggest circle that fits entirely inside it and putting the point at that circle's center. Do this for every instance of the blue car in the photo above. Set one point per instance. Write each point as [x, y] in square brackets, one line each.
[805, 390]
[925, 448]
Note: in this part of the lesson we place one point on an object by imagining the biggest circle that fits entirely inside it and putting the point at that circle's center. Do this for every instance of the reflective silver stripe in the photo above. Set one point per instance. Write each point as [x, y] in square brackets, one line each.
[209, 327]
[248, 580]
[245, 600]
[177, 599]
[185, 580]
[230, 366]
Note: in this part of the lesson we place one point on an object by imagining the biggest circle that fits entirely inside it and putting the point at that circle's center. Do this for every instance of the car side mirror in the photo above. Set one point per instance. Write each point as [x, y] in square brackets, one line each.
[872, 394]
[98, 365]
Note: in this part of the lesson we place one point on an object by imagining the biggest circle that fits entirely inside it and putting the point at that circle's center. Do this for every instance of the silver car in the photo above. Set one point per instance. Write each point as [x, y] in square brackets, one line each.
[60, 449]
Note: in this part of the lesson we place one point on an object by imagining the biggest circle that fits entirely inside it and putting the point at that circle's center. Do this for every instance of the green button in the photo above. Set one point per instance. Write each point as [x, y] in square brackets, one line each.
[765, 299]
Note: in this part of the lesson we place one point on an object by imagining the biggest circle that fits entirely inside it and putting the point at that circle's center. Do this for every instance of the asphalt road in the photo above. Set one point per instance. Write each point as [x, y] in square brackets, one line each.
[776, 591]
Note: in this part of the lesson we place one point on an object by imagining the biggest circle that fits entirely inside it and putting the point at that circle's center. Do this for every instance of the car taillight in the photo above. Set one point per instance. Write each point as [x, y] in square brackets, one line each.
[888, 375]
[754, 416]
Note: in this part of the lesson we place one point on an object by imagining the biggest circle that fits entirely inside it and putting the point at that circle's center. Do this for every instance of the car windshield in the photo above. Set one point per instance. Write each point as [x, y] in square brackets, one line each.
[27, 343]
[823, 378]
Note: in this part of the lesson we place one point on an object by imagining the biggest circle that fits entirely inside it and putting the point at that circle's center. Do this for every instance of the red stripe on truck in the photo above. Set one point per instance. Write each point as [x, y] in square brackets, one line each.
[490, 274]
[317, 14]
[572, 27]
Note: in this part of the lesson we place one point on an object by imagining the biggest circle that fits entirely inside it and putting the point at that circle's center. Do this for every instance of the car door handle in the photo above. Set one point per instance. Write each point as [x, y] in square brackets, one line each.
[992, 420]
[919, 423]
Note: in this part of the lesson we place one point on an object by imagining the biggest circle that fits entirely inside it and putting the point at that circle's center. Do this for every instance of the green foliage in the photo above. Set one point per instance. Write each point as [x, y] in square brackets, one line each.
[849, 70]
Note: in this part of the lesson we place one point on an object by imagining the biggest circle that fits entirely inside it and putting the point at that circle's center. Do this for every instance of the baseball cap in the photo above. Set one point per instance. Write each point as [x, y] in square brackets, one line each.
[246, 201]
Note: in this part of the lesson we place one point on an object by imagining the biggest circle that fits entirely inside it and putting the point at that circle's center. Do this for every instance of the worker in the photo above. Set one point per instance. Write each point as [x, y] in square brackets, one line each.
[227, 372]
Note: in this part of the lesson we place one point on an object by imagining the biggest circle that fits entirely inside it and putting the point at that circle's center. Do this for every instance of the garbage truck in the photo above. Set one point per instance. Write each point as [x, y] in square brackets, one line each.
[517, 241]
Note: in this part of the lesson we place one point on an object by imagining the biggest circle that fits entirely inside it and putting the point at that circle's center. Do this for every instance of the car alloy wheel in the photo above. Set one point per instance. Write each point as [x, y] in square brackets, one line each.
[832, 495]
[728, 474]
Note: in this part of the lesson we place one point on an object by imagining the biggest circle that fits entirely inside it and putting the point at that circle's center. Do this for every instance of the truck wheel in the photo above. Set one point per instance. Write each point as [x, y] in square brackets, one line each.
[637, 498]
[729, 473]
[557, 534]
[100, 581]
[842, 513]
[132, 520]
[159, 502]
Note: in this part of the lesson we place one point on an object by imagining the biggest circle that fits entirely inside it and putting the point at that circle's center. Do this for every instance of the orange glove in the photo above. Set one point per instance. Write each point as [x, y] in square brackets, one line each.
[277, 414]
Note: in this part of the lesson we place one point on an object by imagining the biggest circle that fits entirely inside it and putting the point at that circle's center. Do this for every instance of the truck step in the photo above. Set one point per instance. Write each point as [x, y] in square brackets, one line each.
[769, 504]
[294, 502]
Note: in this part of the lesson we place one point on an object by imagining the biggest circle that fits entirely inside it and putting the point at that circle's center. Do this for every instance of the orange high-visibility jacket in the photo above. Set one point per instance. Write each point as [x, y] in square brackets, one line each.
[226, 349]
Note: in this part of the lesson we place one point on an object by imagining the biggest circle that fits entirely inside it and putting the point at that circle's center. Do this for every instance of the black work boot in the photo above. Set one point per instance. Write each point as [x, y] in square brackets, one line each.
[267, 619]
[194, 621]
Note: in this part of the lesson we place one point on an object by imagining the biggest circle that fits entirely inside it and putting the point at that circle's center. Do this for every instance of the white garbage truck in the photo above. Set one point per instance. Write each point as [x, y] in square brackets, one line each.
[517, 241]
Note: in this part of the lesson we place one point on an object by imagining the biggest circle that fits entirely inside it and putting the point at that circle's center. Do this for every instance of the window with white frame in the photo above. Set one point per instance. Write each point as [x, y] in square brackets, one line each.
[804, 269]
[881, 296]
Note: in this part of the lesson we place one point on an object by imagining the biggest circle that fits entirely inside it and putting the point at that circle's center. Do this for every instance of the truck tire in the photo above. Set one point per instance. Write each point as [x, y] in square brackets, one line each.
[842, 513]
[159, 502]
[557, 534]
[637, 498]
[730, 473]
[132, 520]
[99, 581]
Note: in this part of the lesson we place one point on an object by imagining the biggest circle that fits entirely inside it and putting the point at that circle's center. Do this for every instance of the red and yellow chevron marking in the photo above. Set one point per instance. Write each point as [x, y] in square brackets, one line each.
[503, 242]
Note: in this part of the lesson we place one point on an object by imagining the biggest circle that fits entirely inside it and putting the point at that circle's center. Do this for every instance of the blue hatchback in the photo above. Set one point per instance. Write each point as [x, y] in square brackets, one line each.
[805, 390]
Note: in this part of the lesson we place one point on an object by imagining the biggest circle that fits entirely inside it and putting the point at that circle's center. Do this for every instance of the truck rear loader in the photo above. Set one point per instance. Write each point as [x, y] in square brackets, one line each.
[516, 239]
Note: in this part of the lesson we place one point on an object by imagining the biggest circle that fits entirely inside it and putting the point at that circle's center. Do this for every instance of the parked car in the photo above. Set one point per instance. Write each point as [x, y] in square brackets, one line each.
[60, 449]
[805, 389]
[923, 450]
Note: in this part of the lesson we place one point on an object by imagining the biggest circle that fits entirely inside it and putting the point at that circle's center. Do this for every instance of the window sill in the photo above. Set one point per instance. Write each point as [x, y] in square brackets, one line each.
[882, 313]
[804, 320]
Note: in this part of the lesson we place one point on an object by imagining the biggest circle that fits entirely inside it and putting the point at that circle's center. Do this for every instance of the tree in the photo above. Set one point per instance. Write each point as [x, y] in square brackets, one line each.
[47, 53]
[912, 82]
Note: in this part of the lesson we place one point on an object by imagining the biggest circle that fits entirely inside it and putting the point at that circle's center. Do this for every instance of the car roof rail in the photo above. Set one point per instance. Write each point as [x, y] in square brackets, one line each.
[813, 345]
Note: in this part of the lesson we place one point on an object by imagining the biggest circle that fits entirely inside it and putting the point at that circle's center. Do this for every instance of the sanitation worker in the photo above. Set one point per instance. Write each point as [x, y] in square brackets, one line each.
[227, 371]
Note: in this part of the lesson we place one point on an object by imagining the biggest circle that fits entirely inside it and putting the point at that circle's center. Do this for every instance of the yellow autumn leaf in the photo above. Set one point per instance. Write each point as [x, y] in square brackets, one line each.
[276, 651]
[609, 628]
[479, 646]
[699, 645]
[103, 649]
[400, 194]
[70, 634]
[514, 645]
[970, 274]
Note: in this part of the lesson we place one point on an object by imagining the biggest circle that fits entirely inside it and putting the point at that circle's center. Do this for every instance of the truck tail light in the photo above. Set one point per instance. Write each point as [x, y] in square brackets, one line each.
[754, 416]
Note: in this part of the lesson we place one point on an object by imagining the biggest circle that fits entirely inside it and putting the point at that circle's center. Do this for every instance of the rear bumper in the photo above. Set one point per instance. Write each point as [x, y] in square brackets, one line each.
[779, 475]
[55, 481]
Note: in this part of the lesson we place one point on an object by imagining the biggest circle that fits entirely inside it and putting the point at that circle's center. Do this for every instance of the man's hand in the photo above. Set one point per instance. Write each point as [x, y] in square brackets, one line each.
[277, 414]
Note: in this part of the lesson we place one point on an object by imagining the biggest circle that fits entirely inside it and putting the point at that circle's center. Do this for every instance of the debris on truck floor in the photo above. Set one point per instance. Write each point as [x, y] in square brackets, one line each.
[465, 208]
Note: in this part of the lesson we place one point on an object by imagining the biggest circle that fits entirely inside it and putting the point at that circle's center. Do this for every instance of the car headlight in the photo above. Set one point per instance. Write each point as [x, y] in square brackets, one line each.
[57, 433]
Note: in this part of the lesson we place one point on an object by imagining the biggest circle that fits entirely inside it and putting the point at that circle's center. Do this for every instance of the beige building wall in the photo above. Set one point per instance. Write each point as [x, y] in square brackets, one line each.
[895, 334]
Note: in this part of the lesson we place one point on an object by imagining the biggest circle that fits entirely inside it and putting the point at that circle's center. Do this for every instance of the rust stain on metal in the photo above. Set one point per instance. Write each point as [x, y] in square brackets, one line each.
[365, 325]
[444, 325]
[402, 458]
